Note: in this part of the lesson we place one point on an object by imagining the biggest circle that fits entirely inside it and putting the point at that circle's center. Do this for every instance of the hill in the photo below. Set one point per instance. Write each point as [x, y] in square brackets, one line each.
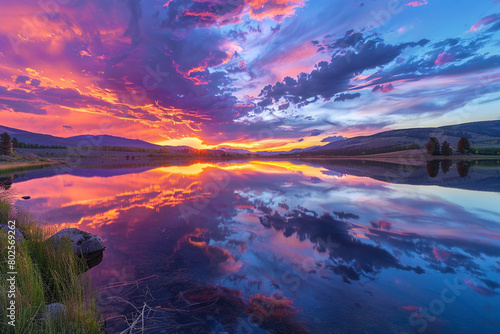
[75, 141]
[485, 133]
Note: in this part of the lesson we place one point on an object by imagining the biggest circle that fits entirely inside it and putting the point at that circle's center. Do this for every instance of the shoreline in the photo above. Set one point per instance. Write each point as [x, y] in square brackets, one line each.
[399, 160]
[411, 158]
[9, 167]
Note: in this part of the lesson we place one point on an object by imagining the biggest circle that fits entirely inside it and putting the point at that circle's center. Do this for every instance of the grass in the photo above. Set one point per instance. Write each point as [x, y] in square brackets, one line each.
[9, 167]
[485, 150]
[45, 275]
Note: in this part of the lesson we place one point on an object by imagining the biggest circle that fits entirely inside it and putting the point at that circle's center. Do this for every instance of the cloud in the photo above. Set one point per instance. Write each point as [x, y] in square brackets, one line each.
[35, 82]
[217, 56]
[444, 58]
[23, 106]
[67, 127]
[417, 3]
[182, 14]
[357, 258]
[315, 133]
[383, 88]
[22, 79]
[484, 22]
[330, 78]
[343, 97]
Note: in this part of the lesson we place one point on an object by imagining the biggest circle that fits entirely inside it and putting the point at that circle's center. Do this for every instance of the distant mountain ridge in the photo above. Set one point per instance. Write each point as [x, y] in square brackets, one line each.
[75, 141]
[486, 133]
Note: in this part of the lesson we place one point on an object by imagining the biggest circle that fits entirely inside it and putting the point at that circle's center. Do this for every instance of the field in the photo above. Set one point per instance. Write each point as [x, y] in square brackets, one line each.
[486, 150]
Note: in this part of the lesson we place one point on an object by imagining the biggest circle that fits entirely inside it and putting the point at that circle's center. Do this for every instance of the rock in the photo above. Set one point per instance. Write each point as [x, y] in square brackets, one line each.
[94, 259]
[19, 235]
[86, 245]
[55, 311]
[26, 197]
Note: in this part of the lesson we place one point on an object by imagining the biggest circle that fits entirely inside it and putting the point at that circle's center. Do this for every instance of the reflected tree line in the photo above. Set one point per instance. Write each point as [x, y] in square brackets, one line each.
[463, 167]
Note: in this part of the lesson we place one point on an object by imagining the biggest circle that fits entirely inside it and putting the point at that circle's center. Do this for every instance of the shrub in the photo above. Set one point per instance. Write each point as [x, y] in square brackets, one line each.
[46, 275]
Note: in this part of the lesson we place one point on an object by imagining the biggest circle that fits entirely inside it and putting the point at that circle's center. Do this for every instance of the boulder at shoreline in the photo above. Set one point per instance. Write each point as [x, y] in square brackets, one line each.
[85, 245]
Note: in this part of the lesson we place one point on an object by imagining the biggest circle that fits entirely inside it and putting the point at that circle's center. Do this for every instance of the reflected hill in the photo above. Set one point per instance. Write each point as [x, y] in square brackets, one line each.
[101, 170]
[476, 175]
[481, 175]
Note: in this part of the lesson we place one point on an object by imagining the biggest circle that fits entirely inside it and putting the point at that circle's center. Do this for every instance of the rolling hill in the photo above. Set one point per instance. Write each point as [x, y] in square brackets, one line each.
[76, 141]
[485, 133]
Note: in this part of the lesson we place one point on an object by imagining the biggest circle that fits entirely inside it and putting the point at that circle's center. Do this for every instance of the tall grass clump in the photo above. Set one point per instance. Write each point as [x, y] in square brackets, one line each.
[45, 275]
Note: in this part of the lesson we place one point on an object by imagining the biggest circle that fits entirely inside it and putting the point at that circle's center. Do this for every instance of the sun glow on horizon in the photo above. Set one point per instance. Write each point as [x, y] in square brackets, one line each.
[193, 142]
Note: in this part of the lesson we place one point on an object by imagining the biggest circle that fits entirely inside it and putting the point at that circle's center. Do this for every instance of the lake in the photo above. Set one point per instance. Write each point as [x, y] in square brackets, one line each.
[287, 246]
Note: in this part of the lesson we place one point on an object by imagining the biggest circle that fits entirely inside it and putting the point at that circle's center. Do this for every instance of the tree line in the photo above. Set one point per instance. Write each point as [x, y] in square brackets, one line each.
[7, 144]
[20, 144]
[126, 149]
[433, 147]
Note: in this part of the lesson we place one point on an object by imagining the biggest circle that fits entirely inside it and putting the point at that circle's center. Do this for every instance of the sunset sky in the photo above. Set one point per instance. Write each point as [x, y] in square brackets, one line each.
[253, 74]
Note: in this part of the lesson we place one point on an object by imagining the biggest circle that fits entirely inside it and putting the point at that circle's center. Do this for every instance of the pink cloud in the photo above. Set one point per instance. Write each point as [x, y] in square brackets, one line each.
[441, 254]
[444, 58]
[485, 21]
[417, 3]
[383, 88]
[480, 289]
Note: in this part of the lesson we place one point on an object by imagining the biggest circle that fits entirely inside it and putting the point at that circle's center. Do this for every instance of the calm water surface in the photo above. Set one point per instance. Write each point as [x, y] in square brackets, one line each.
[287, 247]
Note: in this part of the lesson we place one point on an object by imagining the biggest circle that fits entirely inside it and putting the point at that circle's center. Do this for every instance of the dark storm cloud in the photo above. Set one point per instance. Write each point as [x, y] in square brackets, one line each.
[350, 39]
[22, 79]
[332, 78]
[23, 106]
[344, 97]
[35, 82]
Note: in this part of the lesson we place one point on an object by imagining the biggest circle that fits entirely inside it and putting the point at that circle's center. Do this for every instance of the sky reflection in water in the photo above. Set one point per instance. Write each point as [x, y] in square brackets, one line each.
[250, 247]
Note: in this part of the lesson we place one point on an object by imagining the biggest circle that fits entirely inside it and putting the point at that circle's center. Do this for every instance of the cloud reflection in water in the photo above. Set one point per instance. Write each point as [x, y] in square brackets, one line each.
[318, 245]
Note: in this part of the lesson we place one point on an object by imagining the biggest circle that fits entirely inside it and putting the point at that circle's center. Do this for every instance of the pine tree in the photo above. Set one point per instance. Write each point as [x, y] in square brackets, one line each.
[446, 149]
[5, 144]
[463, 145]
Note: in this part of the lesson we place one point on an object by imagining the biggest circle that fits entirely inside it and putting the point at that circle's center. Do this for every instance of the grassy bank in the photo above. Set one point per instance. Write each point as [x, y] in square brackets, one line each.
[45, 275]
[9, 167]
[486, 150]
